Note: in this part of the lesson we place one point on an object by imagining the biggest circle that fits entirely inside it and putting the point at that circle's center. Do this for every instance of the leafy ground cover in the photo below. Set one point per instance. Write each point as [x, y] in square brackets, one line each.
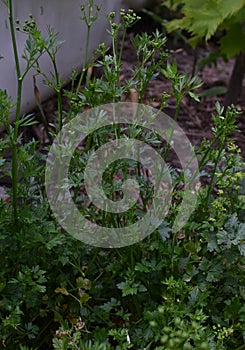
[181, 290]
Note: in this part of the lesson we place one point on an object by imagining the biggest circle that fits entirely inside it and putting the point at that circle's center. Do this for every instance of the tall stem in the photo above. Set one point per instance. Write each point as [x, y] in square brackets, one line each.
[168, 146]
[58, 83]
[84, 59]
[14, 138]
[210, 187]
[58, 90]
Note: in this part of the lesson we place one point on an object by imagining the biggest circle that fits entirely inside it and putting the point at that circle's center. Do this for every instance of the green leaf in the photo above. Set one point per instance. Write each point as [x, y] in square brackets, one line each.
[202, 18]
[194, 96]
[83, 283]
[54, 242]
[164, 230]
[62, 291]
[241, 239]
[215, 272]
[233, 307]
[232, 235]
[129, 288]
[84, 297]
[214, 91]
[58, 344]
[208, 21]
[192, 247]
[233, 42]
[28, 120]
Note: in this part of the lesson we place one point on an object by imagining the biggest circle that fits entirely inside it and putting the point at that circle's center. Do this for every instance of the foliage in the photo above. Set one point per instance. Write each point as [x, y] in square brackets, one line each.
[202, 19]
[181, 290]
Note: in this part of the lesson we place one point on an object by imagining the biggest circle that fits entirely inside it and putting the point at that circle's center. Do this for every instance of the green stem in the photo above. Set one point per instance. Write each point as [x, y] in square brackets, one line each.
[132, 258]
[84, 59]
[241, 347]
[208, 150]
[210, 187]
[14, 169]
[58, 83]
[116, 60]
[89, 307]
[178, 100]
[122, 45]
[13, 38]
[96, 314]
[60, 122]
[92, 260]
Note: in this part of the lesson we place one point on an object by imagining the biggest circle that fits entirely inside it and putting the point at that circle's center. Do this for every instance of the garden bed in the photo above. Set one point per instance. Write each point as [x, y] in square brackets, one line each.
[180, 287]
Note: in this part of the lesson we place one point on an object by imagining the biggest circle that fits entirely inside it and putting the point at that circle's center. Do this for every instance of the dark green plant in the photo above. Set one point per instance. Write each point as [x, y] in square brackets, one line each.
[35, 47]
[181, 290]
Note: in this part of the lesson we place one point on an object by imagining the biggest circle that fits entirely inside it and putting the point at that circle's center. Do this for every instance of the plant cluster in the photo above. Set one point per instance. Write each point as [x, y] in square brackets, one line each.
[181, 290]
[200, 22]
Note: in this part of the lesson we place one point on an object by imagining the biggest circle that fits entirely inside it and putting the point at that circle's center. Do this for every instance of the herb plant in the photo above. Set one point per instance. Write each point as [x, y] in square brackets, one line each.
[181, 290]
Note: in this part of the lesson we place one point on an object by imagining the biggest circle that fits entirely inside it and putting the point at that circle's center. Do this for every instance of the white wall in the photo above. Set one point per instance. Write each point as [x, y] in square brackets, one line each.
[64, 17]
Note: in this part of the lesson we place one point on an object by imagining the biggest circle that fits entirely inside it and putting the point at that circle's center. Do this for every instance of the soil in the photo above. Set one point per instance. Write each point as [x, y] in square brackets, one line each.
[195, 118]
